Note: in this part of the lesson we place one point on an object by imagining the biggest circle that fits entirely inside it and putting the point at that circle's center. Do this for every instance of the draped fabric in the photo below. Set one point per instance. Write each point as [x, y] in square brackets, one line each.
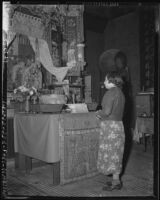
[27, 25]
[46, 60]
[37, 136]
[47, 76]
[32, 27]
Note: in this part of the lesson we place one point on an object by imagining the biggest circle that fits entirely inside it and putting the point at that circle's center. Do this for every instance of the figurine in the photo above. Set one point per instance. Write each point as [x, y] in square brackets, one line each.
[71, 54]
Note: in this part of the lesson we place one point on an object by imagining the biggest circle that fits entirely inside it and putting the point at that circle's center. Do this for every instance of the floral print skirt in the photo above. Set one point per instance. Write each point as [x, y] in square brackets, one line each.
[111, 147]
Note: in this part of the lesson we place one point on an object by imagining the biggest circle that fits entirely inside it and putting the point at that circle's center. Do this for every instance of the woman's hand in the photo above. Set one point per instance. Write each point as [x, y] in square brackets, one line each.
[98, 117]
[98, 114]
[98, 111]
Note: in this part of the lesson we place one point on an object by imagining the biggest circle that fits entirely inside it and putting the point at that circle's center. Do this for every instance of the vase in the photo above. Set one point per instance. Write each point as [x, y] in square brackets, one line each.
[27, 105]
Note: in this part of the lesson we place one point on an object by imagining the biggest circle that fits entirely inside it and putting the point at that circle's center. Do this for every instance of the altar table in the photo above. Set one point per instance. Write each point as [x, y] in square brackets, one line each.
[68, 141]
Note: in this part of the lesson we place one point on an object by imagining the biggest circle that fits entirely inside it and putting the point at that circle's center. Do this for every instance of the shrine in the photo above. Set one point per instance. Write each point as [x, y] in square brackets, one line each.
[78, 103]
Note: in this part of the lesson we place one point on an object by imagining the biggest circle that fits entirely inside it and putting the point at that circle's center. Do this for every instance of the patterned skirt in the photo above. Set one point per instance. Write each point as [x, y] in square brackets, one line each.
[111, 147]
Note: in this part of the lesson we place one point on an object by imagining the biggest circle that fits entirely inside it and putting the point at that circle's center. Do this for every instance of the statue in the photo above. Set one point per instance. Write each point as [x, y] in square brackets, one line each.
[17, 74]
[32, 76]
[71, 54]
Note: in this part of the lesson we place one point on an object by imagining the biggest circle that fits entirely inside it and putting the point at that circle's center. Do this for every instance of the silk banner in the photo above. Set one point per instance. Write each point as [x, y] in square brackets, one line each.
[46, 60]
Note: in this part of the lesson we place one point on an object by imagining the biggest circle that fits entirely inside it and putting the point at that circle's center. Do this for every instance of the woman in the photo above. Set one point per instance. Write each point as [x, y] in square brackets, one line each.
[129, 108]
[122, 69]
[112, 137]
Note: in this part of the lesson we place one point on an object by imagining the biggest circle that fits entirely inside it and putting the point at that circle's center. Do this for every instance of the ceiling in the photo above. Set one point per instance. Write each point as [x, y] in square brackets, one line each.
[100, 15]
[109, 12]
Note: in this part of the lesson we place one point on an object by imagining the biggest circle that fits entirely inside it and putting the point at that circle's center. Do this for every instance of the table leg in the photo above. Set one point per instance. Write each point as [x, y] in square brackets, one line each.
[19, 161]
[56, 173]
[23, 162]
[28, 164]
[151, 140]
[145, 142]
[140, 140]
[143, 138]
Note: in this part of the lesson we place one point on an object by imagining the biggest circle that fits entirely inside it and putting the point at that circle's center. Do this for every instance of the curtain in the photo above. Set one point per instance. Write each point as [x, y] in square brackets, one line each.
[46, 60]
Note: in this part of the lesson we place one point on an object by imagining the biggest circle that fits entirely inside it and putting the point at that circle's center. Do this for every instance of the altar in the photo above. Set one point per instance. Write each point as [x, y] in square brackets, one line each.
[46, 72]
[68, 141]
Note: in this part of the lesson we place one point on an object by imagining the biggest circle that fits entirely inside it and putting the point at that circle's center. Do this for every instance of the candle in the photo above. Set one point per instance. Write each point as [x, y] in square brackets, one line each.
[73, 98]
[80, 48]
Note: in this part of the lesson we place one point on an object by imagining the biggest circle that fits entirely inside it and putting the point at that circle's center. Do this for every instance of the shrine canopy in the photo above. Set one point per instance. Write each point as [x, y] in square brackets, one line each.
[34, 29]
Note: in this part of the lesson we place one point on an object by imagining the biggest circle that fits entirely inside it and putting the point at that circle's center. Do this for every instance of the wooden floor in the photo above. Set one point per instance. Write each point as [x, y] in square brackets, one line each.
[137, 180]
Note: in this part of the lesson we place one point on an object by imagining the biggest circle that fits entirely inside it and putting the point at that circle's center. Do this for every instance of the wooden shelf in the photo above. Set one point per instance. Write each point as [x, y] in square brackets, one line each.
[70, 85]
[78, 86]
[145, 93]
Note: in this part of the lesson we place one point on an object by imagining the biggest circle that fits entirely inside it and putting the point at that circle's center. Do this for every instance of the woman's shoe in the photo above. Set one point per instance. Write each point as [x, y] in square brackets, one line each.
[113, 187]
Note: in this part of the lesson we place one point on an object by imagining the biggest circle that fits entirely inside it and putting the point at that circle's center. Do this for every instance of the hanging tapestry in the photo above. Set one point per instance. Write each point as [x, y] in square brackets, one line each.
[71, 29]
[27, 25]
[79, 137]
[56, 45]
[21, 23]
[75, 21]
[73, 36]
[33, 27]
